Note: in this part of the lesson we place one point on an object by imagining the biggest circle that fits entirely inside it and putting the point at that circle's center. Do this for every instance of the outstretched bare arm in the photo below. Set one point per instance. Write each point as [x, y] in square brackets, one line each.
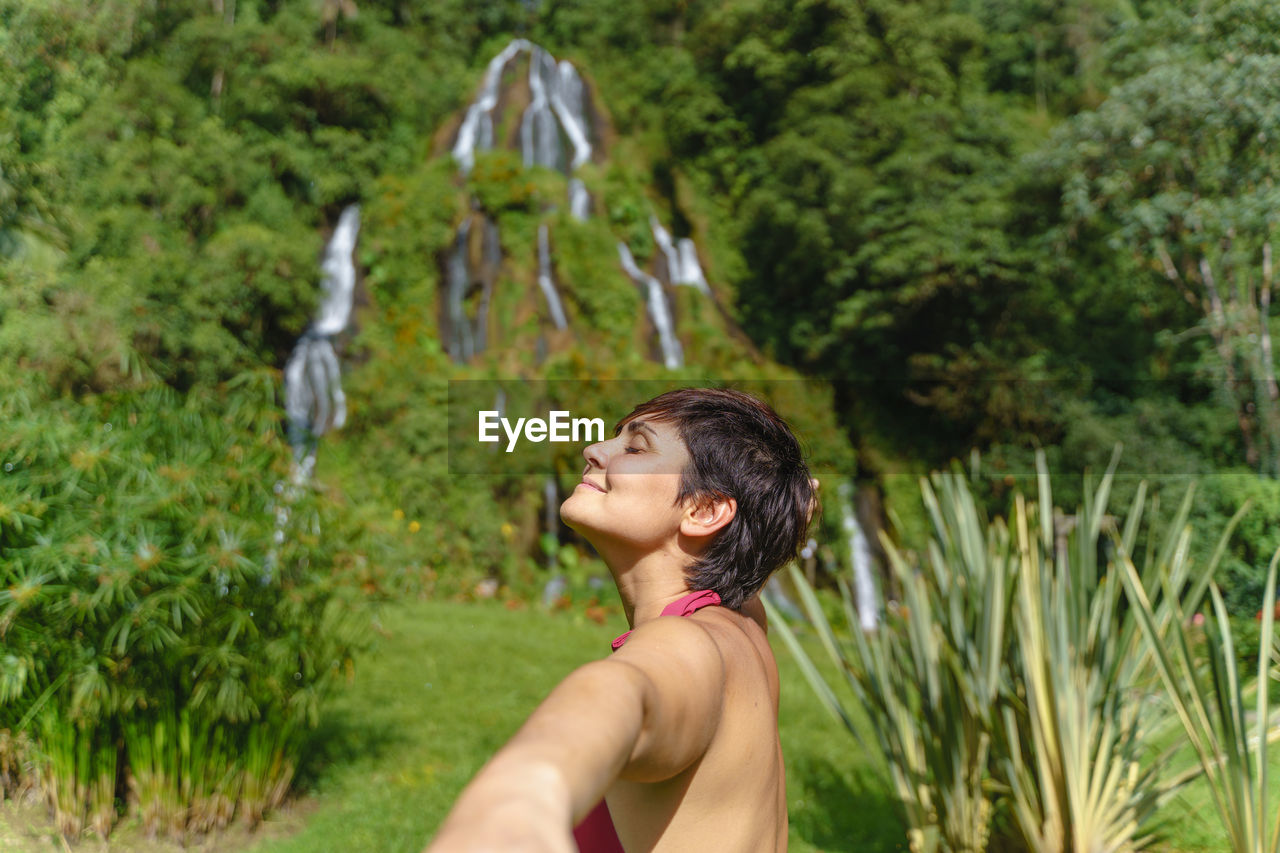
[645, 713]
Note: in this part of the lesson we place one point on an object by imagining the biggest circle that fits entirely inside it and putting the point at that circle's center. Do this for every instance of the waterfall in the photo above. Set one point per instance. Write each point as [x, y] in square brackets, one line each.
[556, 112]
[476, 132]
[313, 398]
[659, 309]
[557, 103]
[663, 239]
[539, 134]
[860, 558]
[461, 342]
[491, 252]
[778, 597]
[690, 269]
[314, 402]
[551, 517]
[544, 279]
[682, 260]
[469, 337]
[567, 101]
[339, 280]
[579, 200]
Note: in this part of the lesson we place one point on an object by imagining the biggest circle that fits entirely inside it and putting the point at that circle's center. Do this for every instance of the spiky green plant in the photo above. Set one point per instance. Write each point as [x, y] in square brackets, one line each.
[1081, 721]
[1212, 706]
[1008, 690]
[931, 678]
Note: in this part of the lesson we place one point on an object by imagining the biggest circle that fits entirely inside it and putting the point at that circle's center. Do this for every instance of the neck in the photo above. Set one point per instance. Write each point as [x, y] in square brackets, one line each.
[647, 582]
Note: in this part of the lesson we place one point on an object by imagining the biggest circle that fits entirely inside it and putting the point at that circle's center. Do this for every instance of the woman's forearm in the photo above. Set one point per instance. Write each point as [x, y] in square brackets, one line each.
[561, 761]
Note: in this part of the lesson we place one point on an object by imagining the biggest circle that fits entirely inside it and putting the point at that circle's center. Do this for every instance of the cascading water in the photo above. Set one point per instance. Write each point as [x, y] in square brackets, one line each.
[556, 112]
[864, 586]
[556, 107]
[476, 132]
[539, 133]
[550, 517]
[579, 200]
[557, 97]
[659, 309]
[313, 398]
[668, 249]
[682, 259]
[545, 282]
[461, 341]
[314, 402]
[468, 337]
[690, 269]
[491, 251]
[567, 101]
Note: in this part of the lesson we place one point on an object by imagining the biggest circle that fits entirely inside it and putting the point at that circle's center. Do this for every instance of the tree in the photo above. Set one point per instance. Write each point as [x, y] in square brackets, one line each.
[1178, 166]
[872, 179]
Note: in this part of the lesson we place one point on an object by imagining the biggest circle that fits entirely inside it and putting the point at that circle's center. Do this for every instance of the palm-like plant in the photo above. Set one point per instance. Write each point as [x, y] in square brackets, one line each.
[1081, 720]
[930, 679]
[1009, 690]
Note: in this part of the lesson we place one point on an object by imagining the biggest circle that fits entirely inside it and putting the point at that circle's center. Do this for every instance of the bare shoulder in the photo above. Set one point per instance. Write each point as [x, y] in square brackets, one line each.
[701, 652]
[683, 642]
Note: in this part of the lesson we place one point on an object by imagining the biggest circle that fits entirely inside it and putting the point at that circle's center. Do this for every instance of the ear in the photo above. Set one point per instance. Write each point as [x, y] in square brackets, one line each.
[813, 500]
[707, 516]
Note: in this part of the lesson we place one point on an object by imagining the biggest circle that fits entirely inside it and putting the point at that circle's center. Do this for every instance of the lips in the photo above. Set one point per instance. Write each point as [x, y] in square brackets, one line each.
[591, 485]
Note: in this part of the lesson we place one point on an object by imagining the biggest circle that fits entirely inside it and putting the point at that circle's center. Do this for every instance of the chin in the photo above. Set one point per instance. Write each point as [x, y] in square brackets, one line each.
[569, 516]
[578, 518]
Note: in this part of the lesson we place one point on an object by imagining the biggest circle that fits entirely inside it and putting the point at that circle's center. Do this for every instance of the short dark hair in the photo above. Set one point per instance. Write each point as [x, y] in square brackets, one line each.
[738, 448]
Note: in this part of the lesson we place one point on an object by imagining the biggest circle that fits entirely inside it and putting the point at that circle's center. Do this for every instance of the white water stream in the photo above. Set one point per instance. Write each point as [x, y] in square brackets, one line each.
[864, 585]
[314, 402]
[659, 309]
[544, 279]
[557, 111]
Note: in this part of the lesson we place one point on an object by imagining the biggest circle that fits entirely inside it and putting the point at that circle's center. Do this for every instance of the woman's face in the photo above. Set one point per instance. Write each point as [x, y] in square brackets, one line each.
[628, 491]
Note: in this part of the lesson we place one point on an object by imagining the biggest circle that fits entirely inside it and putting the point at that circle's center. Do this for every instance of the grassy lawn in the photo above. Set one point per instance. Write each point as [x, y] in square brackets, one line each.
[446, 683]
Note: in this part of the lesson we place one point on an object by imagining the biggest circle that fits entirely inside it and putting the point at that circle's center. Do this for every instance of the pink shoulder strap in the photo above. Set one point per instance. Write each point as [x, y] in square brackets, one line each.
[691, 603]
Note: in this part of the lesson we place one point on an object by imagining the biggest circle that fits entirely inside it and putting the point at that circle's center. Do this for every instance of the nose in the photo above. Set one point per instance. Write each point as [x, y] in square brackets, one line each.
[597, 455]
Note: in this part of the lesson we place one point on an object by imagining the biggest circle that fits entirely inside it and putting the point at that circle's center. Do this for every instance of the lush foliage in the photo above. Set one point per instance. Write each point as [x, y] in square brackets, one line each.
[958, 212]
[1171, 166]
[167, 606]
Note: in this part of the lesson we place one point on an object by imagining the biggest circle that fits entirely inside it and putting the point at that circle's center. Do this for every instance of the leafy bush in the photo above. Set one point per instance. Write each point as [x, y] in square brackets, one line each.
[170, 603]
[1245, 564]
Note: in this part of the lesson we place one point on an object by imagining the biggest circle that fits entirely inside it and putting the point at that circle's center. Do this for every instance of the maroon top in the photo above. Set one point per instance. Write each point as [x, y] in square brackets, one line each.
[596, 833]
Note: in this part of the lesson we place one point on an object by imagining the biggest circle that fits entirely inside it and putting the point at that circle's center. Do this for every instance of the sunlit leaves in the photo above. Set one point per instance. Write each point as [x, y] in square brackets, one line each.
[141, 585]
[1177, 170]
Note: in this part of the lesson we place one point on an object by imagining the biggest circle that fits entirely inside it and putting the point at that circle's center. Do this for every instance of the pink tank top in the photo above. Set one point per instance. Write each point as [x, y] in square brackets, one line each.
[596, 833]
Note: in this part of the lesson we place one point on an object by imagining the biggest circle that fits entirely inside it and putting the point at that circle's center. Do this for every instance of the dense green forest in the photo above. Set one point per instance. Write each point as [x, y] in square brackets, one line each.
[931, 230]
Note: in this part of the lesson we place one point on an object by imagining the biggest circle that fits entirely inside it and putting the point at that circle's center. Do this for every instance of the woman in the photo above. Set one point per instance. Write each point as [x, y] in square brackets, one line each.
[671, 743]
